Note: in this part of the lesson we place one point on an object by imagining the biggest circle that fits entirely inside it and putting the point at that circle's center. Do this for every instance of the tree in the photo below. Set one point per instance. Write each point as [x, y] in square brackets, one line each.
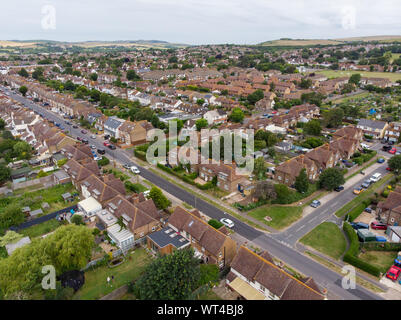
[132, 75]
[159, 198]
[395, 163]
[68, 248]
[5, 173]
[260, 168]
[331, 178]
[38, 73]
[2, 124]
[305, 83]
[302, 182]
[313, 127]
[93, 76]
[23, 73]
[103, 162]
[169, 277]
[255, 96]
[237, 115]
[355, 79]
[11, 216]
[10, 237]
[77, 219]
[334, 117]
[201, 123]
[23, 90]
[23, 150]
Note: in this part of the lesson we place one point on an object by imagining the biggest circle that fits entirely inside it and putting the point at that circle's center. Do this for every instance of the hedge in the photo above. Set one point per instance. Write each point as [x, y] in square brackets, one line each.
[381, 246]
[206, 186]
[351, 255]
[140, 154]
[356, 212]
[215, 224]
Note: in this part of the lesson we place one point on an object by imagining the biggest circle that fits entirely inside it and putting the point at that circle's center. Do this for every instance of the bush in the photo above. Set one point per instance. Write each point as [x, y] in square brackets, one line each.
[356, 212]
[103, 162]
[140, 154]
[385, 193]
[215, 224]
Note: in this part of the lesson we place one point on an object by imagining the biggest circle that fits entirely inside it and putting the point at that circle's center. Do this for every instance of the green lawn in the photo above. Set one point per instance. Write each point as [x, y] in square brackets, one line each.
[35, 199]
[326, 238]
[338, 73]
[210, 295]
[41, 229]
[96, 285]
[282, 216]
[380, 259]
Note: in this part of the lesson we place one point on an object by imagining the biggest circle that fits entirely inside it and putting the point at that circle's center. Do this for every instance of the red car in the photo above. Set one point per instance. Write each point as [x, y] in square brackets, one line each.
[106, 144]
[389, 169]
[393, 273]
[393, 151]
[378, 226]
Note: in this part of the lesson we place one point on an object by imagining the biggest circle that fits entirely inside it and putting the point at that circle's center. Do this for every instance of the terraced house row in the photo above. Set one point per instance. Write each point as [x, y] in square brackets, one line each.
[345, 142]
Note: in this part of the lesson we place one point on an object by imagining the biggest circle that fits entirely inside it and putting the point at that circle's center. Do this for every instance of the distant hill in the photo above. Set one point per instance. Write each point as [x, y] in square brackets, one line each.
[286, 42]
[141, 44]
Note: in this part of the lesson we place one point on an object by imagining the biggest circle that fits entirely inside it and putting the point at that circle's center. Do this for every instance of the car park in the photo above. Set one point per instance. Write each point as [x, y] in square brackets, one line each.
[359, 225]
[358, 190]
[393, 273]
[339, 189]
[378, 226]
[227, 222]
[315, 203]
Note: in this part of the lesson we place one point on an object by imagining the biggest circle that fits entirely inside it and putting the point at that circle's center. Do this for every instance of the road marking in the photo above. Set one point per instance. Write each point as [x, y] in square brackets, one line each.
[313, 219]
[303, 226]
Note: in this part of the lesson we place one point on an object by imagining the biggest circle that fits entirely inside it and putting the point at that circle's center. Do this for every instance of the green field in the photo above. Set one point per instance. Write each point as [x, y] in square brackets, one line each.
[326, 238]
[337, 74]
[380, 259]
[41, 229]
[96, 285]
[282, 216]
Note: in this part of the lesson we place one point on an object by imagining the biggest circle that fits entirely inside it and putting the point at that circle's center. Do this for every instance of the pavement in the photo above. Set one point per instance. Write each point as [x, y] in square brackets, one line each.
[323, 276]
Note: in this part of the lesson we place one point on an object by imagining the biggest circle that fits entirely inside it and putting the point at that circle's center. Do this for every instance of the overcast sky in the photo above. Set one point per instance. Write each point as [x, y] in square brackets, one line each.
[197, 21]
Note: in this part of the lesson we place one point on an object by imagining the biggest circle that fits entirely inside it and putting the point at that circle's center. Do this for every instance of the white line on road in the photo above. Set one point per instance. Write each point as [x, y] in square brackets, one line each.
[300, 228]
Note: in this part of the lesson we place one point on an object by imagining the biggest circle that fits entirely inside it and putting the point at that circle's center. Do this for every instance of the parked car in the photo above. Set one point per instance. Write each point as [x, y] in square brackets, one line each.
[227, 222]
[85, 141]
[83, 131]
[75, 126]
[315, 203]
[393, 151]
[397, 261]
[358, 190]
[386, 148]
[93, 146]
[393, 273]
[101, 151]
[107, 137]
[381, 160]
[389, 169]
[126, 166]
[376, 177]
[112, 146]
[93, 136]
[381, 239]
[378, 226]
[391, 143]
[106, 144]
[79, 138]
[135, 170]
[368, 210]
[366, 184]
[359, 225]
[339, 189]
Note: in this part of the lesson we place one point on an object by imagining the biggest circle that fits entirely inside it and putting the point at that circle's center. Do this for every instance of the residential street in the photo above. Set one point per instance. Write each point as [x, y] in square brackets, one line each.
[279, 245]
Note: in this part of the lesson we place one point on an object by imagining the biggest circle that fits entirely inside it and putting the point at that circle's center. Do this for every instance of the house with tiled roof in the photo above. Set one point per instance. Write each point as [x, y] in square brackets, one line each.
[134, 133]
[256, 277]
[389, 210]
[209, 244]
[373, 128]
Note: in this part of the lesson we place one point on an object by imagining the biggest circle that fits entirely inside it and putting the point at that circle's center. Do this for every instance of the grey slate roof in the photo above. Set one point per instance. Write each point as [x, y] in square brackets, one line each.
[113, 122]
[162, 239]
[372, 124]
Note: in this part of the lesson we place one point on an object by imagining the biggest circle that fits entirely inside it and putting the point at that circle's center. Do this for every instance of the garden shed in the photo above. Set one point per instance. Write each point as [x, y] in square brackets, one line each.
[365, 235]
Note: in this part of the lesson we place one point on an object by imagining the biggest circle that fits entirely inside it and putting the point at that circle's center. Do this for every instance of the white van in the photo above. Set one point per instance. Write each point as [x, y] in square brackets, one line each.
[376, 177]
[365, 146]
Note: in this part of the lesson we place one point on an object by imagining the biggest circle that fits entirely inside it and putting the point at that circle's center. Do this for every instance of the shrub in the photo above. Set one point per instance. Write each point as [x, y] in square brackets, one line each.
[103, 162]
[215, 224]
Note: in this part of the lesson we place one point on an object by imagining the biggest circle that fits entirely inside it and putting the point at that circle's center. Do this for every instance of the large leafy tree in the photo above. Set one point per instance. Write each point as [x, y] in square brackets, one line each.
[23, 150]
[201, 123]
[5, 174]
[159, 198]
[302, 182]
[23, 90]
[237, 115]
[331, 178]
[260, 168]
[313, 127]
[11, 216]
[395, 163]
[170, 277]
[68, 248]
